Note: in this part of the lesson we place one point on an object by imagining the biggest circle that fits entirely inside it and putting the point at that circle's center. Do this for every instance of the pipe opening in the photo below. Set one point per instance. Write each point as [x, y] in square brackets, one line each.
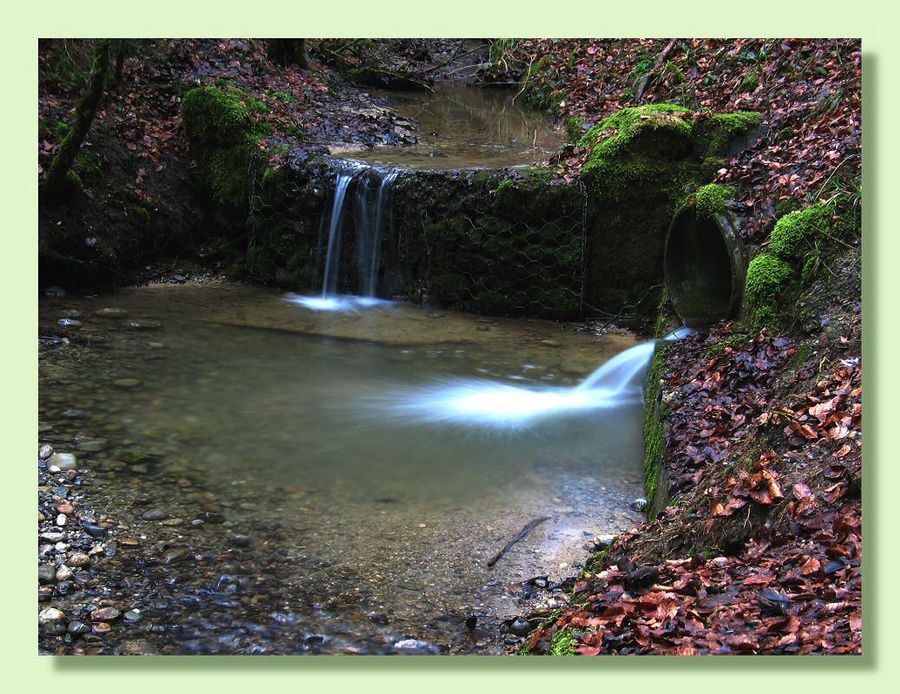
[704, 268]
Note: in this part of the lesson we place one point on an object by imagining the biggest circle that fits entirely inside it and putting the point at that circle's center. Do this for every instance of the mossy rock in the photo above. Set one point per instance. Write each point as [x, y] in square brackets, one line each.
[655, 434]
[227, 173]
[795, 234]
[709, 201]
[768, 280]
[214, 117]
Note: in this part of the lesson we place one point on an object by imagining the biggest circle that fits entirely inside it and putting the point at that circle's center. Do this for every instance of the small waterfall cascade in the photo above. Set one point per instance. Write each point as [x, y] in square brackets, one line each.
[619, 381]
[370, 189]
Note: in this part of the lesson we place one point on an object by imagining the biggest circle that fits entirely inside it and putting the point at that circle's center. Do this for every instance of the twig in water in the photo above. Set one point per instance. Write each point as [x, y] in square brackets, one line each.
[521, 536]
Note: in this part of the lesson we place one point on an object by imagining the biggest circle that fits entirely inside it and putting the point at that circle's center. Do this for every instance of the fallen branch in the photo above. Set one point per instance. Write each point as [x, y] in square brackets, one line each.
[521, 536]
[645, 80]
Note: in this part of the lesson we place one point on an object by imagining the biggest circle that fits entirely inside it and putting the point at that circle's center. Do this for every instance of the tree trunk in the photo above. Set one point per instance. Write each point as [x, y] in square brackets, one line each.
[84, 116]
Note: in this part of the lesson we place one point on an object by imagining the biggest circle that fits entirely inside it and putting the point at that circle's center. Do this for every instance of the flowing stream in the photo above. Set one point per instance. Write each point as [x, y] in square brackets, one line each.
[306, 498]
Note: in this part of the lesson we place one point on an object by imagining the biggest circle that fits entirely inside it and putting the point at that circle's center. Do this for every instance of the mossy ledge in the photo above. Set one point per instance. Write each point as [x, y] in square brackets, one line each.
[799, 244]
[640, 162]
[655, 433]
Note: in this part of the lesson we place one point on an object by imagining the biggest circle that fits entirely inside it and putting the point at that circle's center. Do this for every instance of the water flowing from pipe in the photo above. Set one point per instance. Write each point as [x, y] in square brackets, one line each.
[620, 381]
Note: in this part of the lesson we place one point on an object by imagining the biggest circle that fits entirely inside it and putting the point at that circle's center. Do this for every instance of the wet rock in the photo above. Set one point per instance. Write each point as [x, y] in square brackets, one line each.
[53, 537]
[54, 628]
[63, 461]
[127, 382]
[64, 587]
[78, 560]
[111, 313]
[638, 504]
[604, 540]
[175, 555]
[50, 615]
[133, 616]
[78, 628]
[94, 530]
[379, 618]
[64, 573]
[143, 325]
[61, 520]
[65, 507]
[228, 584]
[129, 542]
[46, 574]
[54, 291]
[519, 626]
[87, 444]
[74, 414]
[69, 323]
[551, 343]
[45, 451]
[154, 514]
[106, 614]
[241, 540]
[101, 628]
[416, 647]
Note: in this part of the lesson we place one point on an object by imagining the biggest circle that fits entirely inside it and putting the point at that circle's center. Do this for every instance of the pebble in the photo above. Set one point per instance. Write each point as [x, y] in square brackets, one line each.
[174, 555]
[50, 614]
[78, 628]
[228, 584]
[143, 325]
[520, 626]
[61, 520]
[78, 559]
[639, 504]
[132, 616]
[101, 628]
[65, 507]
[53, 537]
[127, 382]
[111, 313]
[46, 574]
[55, 292]
[64, 573]
[129, 542]
[63, 461]
[155, 514]
[90, 445]
[74, 414]
[94, 530]
[416, 646]
[69, 322]
[45, 451]
[551, 343]
[106, 614]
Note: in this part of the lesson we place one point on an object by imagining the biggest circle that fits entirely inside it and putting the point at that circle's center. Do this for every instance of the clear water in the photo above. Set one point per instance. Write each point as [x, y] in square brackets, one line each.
[460, 127]
[368, 523]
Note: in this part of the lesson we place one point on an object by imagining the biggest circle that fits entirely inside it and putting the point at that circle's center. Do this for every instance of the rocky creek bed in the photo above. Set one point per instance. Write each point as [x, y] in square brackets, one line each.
[167, 529]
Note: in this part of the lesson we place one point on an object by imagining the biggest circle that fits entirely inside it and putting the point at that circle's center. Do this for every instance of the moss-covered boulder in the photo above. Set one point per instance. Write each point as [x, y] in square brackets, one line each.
[640, 162]
[220, 128]
[801, 242]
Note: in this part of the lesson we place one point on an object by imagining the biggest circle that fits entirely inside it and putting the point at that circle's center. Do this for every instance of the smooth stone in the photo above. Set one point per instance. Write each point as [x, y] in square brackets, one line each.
[63, 461]
[520, 626]
[50, 614]
[228, 584]
[127, 382]
[53, 537]
[132, 616]
[111, 313]
[74, 414]
[106, 614]
[54, 628]
[64, 573]
[143, 325]
[61, 520]
[416, 646]
[65, 507]
[155, 514]
[78, 628]
[78, 559]
[638, 504]
[175, 554]
[101, 628]
[551, 343]
[94, 530]
[45, 451]
[69, 322]
[241, 540]
[72, 313]
[89, 445]
[129, 542]
[46, 574]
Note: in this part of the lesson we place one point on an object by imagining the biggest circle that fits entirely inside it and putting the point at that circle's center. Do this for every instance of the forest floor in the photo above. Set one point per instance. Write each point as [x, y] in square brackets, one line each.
[760, 547]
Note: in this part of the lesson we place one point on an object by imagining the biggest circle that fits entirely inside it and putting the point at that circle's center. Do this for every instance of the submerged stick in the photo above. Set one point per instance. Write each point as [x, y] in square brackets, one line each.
[521, 536]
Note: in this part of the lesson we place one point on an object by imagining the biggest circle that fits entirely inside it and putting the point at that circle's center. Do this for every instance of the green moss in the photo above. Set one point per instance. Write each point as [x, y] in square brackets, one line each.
[750, 83]
[215, 117]
[767, 278]
[613, 135]
[721, 129]
[227, 173]
[795, 234]
[654, 432]
[709, 201]
[563, 643]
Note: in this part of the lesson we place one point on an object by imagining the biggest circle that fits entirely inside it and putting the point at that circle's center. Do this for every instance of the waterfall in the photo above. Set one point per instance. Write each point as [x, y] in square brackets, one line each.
[371, 206]
[618, 382]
